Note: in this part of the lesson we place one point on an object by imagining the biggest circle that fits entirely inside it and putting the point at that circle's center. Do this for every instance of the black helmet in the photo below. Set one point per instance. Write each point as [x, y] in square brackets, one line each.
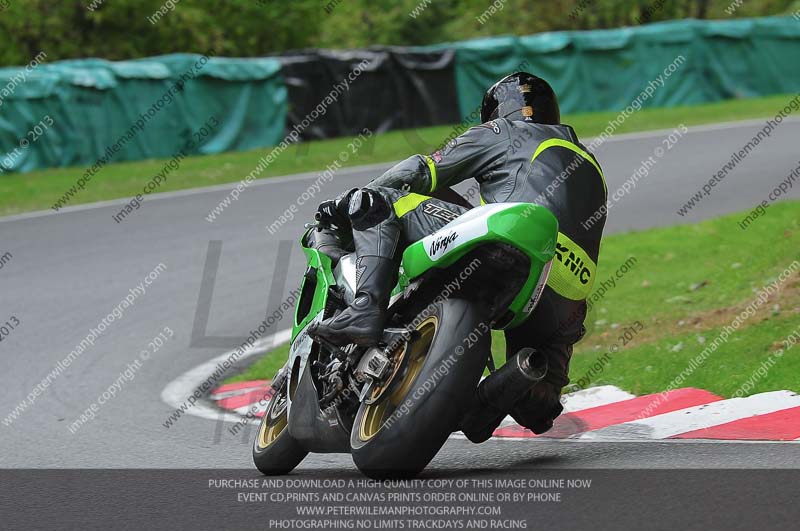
[521, 96]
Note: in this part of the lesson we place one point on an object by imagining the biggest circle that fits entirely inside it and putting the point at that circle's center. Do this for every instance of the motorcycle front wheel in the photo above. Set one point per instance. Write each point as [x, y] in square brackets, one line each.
[275, 451]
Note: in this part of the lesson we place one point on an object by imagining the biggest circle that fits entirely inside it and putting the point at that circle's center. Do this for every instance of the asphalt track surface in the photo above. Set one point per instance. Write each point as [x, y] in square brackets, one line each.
[70, 269]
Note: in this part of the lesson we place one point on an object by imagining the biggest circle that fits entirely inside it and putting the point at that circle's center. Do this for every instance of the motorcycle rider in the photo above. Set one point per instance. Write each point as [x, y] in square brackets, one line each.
[520, 153]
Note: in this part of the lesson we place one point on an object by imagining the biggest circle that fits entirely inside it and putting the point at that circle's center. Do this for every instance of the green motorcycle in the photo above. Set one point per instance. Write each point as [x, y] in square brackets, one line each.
[393, 406]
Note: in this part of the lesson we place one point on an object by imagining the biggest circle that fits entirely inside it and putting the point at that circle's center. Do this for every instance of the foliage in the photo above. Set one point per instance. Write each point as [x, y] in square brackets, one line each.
[120, 29]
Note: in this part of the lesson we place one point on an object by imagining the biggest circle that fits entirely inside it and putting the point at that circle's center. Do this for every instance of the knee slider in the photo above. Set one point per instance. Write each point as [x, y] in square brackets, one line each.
[368, 208]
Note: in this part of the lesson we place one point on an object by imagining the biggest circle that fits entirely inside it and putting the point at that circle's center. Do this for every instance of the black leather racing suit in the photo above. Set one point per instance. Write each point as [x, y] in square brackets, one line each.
[513, 161]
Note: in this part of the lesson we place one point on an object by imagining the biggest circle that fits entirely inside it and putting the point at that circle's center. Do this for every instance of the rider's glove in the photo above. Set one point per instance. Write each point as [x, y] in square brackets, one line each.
[332, 213]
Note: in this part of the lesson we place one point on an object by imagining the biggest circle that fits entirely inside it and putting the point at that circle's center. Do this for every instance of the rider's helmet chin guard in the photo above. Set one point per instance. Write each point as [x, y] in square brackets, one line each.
[521, 96]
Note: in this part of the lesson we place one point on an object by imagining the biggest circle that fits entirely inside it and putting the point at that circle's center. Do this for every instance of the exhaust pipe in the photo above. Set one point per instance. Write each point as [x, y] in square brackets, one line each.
[498, 392]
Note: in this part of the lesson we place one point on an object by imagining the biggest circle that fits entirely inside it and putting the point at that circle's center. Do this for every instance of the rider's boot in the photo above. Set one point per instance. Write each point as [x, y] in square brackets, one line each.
[362, 322]
[376, 232]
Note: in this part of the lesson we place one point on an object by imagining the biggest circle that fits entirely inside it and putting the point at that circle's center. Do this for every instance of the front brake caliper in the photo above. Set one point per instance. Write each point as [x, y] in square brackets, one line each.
[280, 378]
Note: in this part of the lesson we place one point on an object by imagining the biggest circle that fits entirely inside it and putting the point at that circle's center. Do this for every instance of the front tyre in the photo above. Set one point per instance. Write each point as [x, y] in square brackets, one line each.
[275, 452]
[398, 434]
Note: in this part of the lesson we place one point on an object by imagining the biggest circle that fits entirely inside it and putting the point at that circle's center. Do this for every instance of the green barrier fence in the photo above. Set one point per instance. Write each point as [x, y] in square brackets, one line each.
[603, 70]
[105, 111]
[81, 112]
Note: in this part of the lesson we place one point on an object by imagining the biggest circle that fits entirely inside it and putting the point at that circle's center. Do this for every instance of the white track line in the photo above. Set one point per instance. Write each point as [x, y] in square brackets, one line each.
[697, 417]
[225, 187]
[379, 165]
[244, 410]
[594, 397]
[253, 409]
[702, 128]
[182, 387]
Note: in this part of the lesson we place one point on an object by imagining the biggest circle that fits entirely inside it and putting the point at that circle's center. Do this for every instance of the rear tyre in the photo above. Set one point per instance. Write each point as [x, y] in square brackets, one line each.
[275, 452]
[398, 434]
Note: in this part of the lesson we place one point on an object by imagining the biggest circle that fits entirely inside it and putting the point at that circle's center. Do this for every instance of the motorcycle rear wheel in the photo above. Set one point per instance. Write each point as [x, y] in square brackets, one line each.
[397, 435]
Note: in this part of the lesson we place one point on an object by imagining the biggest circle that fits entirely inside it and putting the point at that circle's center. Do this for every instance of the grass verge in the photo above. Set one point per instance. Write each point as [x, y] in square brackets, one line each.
[687, 283]
[41, 189]
[265, 368]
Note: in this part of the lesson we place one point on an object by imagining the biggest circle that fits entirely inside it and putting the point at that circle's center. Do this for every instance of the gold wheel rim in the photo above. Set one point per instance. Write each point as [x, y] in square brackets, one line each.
[376, 414]
[272, 426]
